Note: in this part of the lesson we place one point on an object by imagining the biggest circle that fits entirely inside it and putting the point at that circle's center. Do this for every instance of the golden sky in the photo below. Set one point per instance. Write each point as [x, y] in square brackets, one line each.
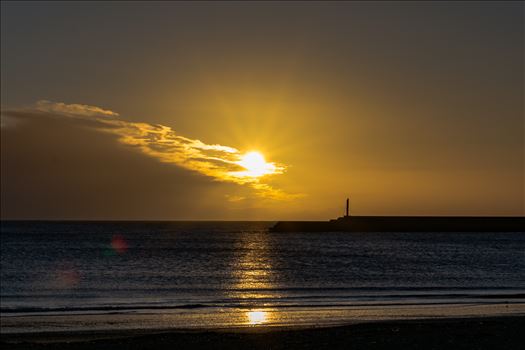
[261, 110]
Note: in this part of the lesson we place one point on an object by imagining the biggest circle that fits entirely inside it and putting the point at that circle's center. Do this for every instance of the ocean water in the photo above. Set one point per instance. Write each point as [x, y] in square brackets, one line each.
[61, 268]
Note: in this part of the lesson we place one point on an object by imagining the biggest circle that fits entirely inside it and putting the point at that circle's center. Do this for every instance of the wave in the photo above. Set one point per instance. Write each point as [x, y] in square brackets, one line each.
[92, 292]
[310, 301]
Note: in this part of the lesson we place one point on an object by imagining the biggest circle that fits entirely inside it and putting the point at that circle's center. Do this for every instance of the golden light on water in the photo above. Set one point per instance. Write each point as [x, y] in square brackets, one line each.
[256, 317]
[253, 276]
[255, 165]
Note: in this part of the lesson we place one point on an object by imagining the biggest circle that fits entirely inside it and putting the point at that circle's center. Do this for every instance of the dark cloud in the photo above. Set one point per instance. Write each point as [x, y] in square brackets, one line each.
[219, 162]
[51, 169]
[79, 161]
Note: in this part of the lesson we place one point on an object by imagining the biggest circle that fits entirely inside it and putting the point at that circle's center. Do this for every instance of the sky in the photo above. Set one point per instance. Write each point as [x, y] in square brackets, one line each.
[153, 110]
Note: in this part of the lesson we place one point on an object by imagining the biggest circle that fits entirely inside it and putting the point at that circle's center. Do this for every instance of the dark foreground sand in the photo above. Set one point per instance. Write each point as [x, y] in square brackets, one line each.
[471, 333]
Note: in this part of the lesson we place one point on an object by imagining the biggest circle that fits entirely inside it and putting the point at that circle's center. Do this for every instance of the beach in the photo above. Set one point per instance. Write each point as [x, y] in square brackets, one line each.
[235, 285]
[262, 175]
[449, 333]
[458, 326]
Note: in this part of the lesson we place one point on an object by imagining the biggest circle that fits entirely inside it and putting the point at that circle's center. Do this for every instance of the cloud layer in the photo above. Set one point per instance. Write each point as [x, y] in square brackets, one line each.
[219, 162]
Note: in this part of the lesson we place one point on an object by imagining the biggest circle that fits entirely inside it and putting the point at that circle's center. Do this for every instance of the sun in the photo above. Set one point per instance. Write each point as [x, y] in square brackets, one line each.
[255, 165]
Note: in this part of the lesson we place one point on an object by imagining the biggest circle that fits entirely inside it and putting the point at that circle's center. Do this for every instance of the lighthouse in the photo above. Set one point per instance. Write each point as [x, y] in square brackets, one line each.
[347, 207]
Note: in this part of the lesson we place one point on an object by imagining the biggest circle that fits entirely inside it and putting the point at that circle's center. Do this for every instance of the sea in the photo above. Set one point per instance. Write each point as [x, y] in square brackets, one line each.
[204, 268]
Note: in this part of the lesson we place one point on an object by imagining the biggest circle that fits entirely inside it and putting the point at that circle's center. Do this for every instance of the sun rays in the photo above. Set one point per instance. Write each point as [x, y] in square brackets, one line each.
[221, 163]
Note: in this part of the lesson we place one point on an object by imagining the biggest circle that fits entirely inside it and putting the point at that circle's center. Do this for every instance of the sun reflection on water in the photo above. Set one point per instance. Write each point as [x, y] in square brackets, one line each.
[253, 277]
[256, 317]
[252, 269]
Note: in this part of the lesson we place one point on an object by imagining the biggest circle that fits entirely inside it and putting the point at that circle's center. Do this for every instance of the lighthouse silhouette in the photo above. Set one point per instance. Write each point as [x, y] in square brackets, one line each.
[347, 207]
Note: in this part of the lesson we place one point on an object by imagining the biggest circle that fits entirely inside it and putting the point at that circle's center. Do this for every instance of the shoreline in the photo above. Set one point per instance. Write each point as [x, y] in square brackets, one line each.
[226, 318]
[485, 332]
[237, 319]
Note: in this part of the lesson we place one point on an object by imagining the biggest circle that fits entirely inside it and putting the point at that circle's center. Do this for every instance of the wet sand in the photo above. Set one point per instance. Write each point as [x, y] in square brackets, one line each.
[506, 332]
[218, 318]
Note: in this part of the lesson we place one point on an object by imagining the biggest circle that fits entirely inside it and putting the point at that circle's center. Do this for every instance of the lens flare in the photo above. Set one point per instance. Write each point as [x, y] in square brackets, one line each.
[119, 244]
[66, 276]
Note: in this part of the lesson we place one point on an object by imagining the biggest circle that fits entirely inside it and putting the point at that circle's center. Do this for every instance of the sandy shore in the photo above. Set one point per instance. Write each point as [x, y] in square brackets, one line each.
[219, 318]
[507, 332]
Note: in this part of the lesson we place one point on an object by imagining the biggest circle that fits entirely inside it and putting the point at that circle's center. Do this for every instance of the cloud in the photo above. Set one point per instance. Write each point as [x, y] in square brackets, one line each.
[234, 198]
[73, 110]
[219, 162]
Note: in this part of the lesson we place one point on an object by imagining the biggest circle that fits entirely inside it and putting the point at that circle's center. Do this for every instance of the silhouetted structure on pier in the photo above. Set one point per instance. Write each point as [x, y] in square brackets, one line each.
[349, 223]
